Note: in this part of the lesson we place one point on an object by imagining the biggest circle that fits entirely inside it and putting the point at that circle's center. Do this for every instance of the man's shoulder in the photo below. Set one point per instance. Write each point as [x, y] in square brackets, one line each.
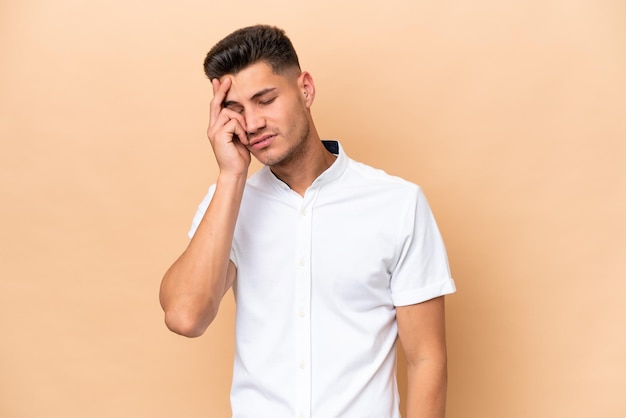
[365, 174]
[259, 178]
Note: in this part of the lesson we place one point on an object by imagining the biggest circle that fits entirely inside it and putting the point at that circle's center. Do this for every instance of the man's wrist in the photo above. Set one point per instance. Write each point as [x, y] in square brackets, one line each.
[231, 179]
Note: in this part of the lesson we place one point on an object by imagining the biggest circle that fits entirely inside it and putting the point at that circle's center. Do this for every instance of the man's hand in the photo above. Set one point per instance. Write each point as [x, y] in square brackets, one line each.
[227, 133]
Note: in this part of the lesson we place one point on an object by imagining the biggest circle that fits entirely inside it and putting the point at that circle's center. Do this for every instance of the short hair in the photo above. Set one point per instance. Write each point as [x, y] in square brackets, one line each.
[248, 46]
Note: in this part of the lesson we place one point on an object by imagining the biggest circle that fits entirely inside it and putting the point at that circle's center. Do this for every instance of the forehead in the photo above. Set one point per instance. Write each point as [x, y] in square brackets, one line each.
[254, 78]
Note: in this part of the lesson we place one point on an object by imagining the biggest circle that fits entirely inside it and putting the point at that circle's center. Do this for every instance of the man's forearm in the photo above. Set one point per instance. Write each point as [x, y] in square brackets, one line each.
[427, 387]
[194, 285]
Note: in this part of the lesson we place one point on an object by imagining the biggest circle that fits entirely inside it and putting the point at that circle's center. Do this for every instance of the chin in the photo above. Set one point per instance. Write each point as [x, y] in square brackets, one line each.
[268, 157]
[272, 161]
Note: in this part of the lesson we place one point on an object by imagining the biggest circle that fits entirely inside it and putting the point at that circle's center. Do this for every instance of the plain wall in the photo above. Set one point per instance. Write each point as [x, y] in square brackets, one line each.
[510, 114]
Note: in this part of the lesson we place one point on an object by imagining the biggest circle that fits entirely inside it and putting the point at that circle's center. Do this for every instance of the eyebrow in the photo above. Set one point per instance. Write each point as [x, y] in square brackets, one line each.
[254, 96]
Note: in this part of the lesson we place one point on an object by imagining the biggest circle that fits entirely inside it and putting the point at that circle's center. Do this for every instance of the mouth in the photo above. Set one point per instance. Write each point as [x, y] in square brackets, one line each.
[262, 141]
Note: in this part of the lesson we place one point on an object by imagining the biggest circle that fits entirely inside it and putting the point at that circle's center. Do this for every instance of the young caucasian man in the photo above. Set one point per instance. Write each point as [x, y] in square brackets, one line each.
[330, 260]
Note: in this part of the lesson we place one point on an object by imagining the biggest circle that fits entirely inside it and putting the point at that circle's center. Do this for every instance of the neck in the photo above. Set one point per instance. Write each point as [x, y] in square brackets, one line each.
[300, 172]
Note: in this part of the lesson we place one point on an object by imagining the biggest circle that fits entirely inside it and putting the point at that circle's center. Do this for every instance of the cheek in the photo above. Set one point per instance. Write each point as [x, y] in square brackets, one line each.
[283, 117]
[290, 118]
[297, 123]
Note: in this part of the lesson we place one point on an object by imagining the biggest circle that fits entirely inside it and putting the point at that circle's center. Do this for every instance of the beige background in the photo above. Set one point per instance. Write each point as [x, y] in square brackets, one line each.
[510, 114]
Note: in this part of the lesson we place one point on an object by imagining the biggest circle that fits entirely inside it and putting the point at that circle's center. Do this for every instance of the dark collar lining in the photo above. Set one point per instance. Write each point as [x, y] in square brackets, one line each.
[331, 146]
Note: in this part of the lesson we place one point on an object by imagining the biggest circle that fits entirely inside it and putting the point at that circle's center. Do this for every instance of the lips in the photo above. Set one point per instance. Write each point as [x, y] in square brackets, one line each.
[262, 141]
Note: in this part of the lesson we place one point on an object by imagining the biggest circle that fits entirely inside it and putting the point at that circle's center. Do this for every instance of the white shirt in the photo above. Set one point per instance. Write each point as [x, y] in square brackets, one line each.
[318, 280]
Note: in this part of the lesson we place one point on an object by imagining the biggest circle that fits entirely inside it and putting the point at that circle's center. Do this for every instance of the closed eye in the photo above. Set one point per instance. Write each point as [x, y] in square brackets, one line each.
[266, 102]
[235, 108]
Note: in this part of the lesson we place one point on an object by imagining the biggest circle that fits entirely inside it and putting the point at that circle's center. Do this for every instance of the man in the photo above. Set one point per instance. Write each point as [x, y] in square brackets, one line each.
[329, 260]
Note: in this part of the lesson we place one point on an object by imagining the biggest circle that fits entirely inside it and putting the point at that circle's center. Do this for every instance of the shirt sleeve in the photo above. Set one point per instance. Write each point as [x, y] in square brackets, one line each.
[422, 271]
[202, 208]
[201, 211]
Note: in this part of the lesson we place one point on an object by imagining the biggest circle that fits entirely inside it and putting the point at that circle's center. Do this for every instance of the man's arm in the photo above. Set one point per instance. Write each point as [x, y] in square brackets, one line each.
[195, 284]
[421, 328]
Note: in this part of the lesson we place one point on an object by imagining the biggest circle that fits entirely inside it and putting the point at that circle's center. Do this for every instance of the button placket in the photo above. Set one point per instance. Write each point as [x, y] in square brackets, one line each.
[302, 315]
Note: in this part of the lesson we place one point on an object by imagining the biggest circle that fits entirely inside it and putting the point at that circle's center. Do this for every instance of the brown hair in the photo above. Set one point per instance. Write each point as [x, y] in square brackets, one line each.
[249, 45]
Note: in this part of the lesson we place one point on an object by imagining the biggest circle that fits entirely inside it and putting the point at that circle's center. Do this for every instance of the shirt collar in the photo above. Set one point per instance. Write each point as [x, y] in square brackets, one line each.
[337, 167]
[329, 175]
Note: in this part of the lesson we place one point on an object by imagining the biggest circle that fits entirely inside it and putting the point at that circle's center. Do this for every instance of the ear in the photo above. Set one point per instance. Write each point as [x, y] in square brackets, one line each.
[307, 88]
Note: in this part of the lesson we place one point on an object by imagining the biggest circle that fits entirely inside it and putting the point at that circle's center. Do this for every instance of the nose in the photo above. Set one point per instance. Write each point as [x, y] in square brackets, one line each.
[255, 121]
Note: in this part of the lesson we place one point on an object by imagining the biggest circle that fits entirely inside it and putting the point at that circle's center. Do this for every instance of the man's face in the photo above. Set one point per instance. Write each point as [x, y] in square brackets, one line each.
[275, 110]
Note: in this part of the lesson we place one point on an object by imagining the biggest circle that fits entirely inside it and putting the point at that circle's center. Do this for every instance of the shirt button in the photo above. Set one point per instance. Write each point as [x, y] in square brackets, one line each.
[301, 313]
[301, 262]
[301, 365]
[303, 211]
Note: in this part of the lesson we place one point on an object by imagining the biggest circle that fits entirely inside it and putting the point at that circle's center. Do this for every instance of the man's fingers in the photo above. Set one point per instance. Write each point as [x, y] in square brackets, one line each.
[228, 123]
[231, 114]
[219, 94]
[216, 84]
[220, 89]
[220, 115]
[222, 120]
[236, 129]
